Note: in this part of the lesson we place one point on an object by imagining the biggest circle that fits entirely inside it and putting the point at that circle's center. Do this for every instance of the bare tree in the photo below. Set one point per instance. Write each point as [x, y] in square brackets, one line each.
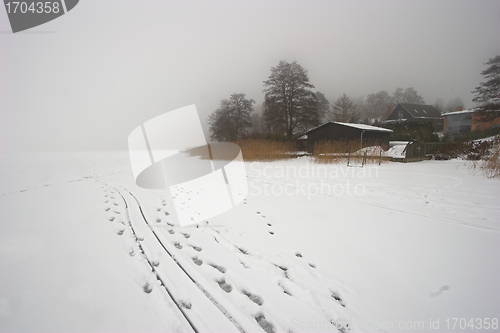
[377, 104]
[409, 95]
[289, 106]
[232, 119]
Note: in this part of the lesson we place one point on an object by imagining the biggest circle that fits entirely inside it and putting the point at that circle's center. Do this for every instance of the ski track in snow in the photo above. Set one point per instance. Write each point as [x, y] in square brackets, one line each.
[203, 271]
[219, 282]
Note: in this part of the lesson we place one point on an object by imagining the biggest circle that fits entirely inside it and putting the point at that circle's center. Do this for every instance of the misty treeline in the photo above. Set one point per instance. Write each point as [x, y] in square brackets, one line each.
[291, 107]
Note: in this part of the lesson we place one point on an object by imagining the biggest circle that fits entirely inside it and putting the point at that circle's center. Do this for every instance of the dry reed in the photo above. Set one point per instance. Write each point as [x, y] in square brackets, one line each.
[266, 150]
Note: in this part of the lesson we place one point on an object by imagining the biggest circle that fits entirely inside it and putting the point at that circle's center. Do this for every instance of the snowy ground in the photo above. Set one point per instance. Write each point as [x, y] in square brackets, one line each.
[313, 248]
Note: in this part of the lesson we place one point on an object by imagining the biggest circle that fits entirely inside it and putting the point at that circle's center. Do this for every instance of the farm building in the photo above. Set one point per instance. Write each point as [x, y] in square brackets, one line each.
[416, 112]
[336, 131]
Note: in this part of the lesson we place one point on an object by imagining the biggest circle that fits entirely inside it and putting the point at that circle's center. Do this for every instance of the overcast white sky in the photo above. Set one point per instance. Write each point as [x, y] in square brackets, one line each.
[86, 80]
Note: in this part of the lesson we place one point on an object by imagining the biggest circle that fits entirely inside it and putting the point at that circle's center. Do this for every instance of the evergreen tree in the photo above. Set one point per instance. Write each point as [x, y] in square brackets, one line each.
[344, 110]
[323, 105]
[488, 92]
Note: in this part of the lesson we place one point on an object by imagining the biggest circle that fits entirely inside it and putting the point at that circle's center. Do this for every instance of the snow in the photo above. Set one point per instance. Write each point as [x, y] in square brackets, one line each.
[397, 151]
[359, 126]
[490, 138]
[313, 248]
[365, 127]
[458, 112]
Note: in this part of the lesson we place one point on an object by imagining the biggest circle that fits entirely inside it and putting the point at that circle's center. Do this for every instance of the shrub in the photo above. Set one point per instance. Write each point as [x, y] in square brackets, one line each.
[491, 164]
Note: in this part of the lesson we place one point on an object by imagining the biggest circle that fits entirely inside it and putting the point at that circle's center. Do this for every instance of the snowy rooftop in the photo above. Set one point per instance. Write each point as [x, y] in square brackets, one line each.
[359, 126]
[365, 127]
[458, 112]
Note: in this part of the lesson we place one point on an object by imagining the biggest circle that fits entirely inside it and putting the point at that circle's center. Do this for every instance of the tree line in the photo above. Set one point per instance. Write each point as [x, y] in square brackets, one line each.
[291, 107]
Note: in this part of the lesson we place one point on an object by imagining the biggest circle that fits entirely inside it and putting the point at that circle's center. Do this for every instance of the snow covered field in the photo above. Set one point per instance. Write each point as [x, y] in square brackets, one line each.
[313, 248]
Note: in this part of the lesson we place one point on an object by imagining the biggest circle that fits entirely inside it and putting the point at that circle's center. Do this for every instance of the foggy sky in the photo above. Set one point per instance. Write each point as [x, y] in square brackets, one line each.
[86, 80]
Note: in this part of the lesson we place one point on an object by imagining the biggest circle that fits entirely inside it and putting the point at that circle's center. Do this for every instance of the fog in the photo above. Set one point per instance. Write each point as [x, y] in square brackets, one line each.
[85, 80]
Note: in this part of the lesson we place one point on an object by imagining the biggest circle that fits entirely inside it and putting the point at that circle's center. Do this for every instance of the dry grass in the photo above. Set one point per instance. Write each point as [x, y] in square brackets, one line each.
[491, 165]
[252, 150]
[341, 151]
[265, 150]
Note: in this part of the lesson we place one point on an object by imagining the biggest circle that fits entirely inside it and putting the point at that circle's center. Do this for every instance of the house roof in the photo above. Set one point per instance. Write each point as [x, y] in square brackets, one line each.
[458, 112]
[421, 110]
[363, 127]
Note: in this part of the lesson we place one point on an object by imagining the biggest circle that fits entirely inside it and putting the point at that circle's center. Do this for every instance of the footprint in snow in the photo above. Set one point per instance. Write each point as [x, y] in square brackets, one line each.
[158, 209]
[111, 219]
[285, 290]
[178, 245]
[171, 231]
[186, 235]
[196, 248]
[106, 209]
[114, 203]
[185, 304]
[440, 291]
[271, 232]
[224, 286]
[298, 255]
[337, 297]
[254, 298]
[197, 261]
[147, 287]
[312, 265]
[219, 268]
[242, 250]
[266, 326]
[158, 220]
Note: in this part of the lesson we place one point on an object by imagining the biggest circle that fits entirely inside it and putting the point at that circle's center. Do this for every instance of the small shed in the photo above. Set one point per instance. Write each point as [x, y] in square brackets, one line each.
[336, 131]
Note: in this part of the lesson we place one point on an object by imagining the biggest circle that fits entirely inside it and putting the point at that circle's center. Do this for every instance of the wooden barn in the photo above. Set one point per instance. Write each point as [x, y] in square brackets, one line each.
[336, 131]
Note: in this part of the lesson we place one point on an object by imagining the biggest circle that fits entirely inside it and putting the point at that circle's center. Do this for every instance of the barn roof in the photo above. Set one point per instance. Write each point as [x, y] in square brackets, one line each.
[362, 127]
[421, 110]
